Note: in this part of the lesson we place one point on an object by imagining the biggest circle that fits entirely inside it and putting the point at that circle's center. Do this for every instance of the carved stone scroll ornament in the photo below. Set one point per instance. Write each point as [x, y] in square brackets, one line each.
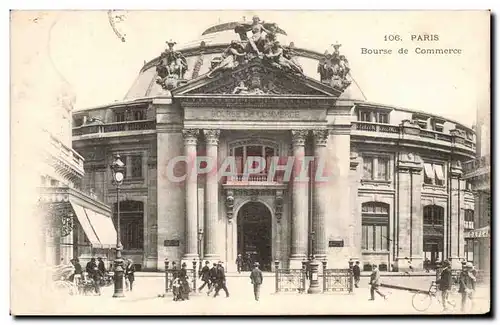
[299, 137]
[212, 136]
[320, 137]
[334, 69]
[190, 136]
[229, 205]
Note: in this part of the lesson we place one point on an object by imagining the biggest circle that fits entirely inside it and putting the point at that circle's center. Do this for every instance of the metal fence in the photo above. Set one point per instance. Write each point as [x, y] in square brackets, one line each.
[290, 280]
[171, 272]
[335, 280]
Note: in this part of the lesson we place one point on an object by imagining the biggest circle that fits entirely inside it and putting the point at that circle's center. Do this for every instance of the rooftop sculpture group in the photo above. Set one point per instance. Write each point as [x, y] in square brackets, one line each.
[171, 67]
[262, 44]
[333, 69]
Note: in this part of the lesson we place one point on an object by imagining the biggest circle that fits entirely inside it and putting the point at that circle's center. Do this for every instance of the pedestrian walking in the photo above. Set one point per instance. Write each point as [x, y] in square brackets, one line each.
[256, 278]
[221, 280]
[213, 279]
[130, 274]
[375, 284]
[445, 282]
[427, 265]
[356, 272]
[205, 276]
[183, 278]
[467, 284]
[239, 263]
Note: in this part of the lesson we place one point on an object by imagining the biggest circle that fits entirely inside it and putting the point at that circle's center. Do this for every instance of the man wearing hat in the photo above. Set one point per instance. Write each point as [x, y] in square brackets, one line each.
[467, 283]
[256, 278]
[239, 263]
[205, 276]
[221, 280]
[375, 284]
[356, 272]
[445, 282]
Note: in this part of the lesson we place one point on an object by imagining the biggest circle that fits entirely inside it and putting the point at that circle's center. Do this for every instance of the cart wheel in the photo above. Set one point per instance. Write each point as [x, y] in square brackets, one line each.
[421, 301]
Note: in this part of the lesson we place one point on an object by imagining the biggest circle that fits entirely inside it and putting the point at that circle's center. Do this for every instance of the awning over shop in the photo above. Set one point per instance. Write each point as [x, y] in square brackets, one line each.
[483, 232]
[85, 223]
[103, 227]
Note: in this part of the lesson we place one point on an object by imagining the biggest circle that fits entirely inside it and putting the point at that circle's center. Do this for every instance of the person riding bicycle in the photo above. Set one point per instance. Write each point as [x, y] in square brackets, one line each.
[444, 282]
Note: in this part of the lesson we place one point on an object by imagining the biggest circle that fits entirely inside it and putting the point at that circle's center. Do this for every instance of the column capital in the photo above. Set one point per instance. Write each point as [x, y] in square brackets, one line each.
[299, 137]
[320, 137]
[212, 136]
[190, 136]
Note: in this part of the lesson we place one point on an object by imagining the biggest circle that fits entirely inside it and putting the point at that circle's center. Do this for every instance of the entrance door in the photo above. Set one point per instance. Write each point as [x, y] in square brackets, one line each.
[255, 235]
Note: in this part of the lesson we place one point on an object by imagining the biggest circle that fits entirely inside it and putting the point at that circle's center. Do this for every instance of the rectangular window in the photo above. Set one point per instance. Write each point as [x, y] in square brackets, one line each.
[438, 127]
[364, 237]
[367, 168]
[383, 118]
[365, 116]
[374, 237]
[136, 163]
[382, 168]
[120, 117]
[370, 242]
[139, 115]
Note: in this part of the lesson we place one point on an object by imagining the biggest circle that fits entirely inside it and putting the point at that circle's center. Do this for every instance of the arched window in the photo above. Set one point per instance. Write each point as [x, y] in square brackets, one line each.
[131, 224]
[433, 239]
[375, 226]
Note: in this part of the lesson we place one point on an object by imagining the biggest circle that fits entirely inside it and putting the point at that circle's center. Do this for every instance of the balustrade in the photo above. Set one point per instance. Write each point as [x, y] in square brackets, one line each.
[115, 127]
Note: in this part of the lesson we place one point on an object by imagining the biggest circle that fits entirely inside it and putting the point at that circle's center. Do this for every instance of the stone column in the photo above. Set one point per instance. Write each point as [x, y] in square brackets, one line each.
[191, 186]
[457, 240]
[211, 196]
[320, 196]
[354, 183]
[299, 204]
[410, 223]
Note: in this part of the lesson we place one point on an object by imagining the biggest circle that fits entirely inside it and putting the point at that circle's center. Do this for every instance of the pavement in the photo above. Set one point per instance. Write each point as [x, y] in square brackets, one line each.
[144, 300]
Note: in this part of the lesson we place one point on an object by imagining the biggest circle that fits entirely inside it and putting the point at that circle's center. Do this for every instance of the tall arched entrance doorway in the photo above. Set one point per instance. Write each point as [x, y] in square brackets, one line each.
[255, 234]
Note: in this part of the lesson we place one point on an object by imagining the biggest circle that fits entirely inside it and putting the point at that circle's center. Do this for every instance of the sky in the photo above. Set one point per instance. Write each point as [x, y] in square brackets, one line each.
[98, 68]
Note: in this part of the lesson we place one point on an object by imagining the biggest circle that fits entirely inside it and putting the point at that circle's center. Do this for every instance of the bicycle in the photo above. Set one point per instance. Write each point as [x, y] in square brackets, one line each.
[421, 301]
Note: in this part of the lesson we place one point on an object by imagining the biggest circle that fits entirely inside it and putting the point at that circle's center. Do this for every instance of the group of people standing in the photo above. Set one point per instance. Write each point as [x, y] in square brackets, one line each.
[466, 282]
[97, 275]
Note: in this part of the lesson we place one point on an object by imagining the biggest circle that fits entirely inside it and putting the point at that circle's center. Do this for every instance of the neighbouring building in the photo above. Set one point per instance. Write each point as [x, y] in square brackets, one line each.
[69, 221]
[396, 189]
[477, 173]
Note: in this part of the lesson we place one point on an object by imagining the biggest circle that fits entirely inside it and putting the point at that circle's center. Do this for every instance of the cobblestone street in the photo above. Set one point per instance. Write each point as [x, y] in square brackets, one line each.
[144, 300]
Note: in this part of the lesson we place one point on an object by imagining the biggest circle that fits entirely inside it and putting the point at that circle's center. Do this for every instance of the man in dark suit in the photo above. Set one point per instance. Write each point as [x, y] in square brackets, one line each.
[213, 279]
[256, 278]
[100, 266]
[93, 272]
[445, 282]
[356, 272]
[205, 276]
[221, 280]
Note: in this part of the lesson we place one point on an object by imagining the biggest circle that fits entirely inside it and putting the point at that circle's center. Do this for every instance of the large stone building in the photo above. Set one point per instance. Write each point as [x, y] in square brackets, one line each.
[477, 172]
[395, 189]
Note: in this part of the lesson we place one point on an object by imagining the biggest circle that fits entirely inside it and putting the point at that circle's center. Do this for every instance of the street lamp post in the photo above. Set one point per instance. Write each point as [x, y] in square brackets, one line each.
[118, 169]
[200, 247]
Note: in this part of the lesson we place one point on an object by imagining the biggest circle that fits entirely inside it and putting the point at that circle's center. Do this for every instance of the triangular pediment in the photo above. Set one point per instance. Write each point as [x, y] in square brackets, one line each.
[256, 79]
